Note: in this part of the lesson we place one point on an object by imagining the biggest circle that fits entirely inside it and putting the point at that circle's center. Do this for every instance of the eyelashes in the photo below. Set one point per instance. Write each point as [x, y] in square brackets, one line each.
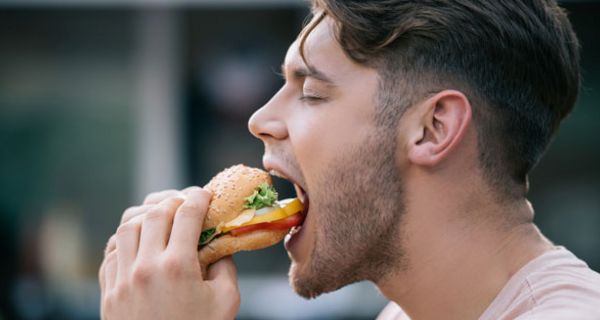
[279, 74]
[312, 99]
[306, 97]
[309, 98]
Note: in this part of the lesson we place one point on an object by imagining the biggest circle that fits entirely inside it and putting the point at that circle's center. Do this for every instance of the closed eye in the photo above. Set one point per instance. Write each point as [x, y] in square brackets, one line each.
[280, 74]
[312, 99]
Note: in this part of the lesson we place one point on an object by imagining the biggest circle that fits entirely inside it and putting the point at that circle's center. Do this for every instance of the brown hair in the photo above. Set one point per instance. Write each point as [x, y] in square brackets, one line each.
[516, 60]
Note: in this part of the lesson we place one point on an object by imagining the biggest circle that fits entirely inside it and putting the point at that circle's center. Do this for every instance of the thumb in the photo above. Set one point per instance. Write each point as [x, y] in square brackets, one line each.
[223, 280]
[223, 270]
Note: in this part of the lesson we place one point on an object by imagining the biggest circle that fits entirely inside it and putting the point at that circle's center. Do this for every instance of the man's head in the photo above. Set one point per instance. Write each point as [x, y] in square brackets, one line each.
[375, 89]
[516, 61]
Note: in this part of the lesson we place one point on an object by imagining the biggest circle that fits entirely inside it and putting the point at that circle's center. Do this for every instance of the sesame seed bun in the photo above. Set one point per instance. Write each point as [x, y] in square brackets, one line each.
[230, 187]
[227, 245]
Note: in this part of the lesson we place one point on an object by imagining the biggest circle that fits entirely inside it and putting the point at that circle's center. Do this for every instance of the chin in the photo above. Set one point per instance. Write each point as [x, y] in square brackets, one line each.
[310, 283]
[302, 282]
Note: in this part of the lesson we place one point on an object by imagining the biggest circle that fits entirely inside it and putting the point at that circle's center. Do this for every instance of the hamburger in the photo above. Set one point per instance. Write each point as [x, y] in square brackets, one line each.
[244, 214]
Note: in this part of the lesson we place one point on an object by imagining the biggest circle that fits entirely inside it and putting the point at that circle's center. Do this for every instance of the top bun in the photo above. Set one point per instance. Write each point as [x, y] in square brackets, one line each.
[230, 187]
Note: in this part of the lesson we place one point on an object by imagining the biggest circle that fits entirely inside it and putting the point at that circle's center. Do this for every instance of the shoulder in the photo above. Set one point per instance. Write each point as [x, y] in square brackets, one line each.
[564, 276]
[565, 288]
[556, 285]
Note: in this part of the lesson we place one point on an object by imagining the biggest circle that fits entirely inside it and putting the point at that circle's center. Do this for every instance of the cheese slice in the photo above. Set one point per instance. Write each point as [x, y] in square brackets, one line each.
[244, 217]
[289, 208]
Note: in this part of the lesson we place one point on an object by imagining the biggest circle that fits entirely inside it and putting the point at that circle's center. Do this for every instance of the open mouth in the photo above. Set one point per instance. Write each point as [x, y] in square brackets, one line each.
[301, 194]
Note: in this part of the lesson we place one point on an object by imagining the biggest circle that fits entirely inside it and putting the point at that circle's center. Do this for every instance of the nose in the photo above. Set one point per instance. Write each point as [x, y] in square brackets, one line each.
[268, 122]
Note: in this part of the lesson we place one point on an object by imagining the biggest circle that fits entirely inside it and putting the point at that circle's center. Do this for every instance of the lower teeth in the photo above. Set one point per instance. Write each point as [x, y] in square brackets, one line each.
[294, 230]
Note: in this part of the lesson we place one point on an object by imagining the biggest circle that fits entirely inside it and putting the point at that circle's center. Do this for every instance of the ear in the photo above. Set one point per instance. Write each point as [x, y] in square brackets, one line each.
[442, 123]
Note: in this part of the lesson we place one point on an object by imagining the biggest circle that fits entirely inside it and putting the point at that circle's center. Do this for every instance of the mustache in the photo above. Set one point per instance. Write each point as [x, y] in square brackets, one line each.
[288, 159]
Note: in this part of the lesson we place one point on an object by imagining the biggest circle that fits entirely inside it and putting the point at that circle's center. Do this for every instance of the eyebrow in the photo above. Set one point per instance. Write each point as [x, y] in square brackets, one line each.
[310, 72]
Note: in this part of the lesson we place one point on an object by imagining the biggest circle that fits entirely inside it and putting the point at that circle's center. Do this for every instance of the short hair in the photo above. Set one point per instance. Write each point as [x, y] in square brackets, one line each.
[517, 61]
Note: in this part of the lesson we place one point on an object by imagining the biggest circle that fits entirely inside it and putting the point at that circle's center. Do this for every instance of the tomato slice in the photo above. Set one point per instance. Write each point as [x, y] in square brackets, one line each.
[282, 224]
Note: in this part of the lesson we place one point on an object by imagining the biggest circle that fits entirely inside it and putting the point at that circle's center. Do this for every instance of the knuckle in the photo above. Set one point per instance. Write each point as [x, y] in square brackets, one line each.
[173, 266]
[170, 204]
[128, 213]
[128, 227]
[196, 203]
[110, 245]
[151, 196]
[192, 189]
[121, 292]
[108, 302]
[198, 193]
[190, 209]
[111, 257]
[113, 298]
[203, 194]
[142, 273]
[155, 213]
[158, 196]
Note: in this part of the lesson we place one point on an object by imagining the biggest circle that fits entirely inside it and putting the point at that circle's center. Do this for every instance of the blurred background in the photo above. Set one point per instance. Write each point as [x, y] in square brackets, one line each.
[103, 101]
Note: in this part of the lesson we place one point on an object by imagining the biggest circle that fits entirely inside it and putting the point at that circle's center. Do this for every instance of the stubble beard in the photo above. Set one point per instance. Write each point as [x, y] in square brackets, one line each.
[359, 207]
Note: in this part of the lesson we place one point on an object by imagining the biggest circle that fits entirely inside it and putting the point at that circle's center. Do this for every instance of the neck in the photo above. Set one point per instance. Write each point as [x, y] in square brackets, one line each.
[459, 256]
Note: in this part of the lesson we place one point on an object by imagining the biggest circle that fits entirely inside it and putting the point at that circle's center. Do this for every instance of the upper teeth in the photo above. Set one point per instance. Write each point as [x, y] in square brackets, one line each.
[276, 173]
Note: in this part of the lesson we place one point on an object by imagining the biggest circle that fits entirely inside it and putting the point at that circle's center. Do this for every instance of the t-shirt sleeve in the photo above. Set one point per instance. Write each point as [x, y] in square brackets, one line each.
[392, 312]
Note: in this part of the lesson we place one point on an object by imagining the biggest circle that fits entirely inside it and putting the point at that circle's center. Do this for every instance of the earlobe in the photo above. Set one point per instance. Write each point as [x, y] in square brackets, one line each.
[443, 122]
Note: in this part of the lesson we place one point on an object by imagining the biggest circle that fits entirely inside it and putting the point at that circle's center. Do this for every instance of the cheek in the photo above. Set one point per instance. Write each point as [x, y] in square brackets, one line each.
[310, 137]
[322, 133]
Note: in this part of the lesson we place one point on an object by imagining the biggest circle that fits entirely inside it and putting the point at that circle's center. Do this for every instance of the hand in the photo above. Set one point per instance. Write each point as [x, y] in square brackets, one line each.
[151, 269]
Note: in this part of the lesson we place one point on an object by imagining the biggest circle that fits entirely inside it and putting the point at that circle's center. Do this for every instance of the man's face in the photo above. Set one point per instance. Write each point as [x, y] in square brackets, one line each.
[319, 132]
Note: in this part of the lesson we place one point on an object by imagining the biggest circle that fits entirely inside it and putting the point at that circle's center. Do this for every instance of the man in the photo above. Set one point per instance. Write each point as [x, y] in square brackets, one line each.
[412, 127]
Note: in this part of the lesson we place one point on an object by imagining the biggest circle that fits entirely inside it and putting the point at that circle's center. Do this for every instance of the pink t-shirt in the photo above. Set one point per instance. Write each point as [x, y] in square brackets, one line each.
[555, 285]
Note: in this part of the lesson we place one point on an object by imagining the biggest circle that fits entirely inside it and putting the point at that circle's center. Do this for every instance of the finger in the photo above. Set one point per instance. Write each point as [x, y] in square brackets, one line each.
[222, 279]
[110, 271]
[156, 197]
[134, 212]
[128, 238]
[187, 223]
[111, 245]
[156, 226]
[187, 190]
[101, 278]
[223, 272]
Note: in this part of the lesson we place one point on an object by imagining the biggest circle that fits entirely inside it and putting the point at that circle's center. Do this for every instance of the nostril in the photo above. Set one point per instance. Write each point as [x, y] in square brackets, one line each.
[268, 129]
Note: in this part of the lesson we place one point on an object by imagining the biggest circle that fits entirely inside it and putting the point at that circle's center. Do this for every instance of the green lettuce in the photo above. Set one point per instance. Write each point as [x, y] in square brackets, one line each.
[264, 196]
[207, 235]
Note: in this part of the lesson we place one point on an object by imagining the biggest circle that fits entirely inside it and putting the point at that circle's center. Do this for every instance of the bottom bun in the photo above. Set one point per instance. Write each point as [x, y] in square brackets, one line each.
[227, 245]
